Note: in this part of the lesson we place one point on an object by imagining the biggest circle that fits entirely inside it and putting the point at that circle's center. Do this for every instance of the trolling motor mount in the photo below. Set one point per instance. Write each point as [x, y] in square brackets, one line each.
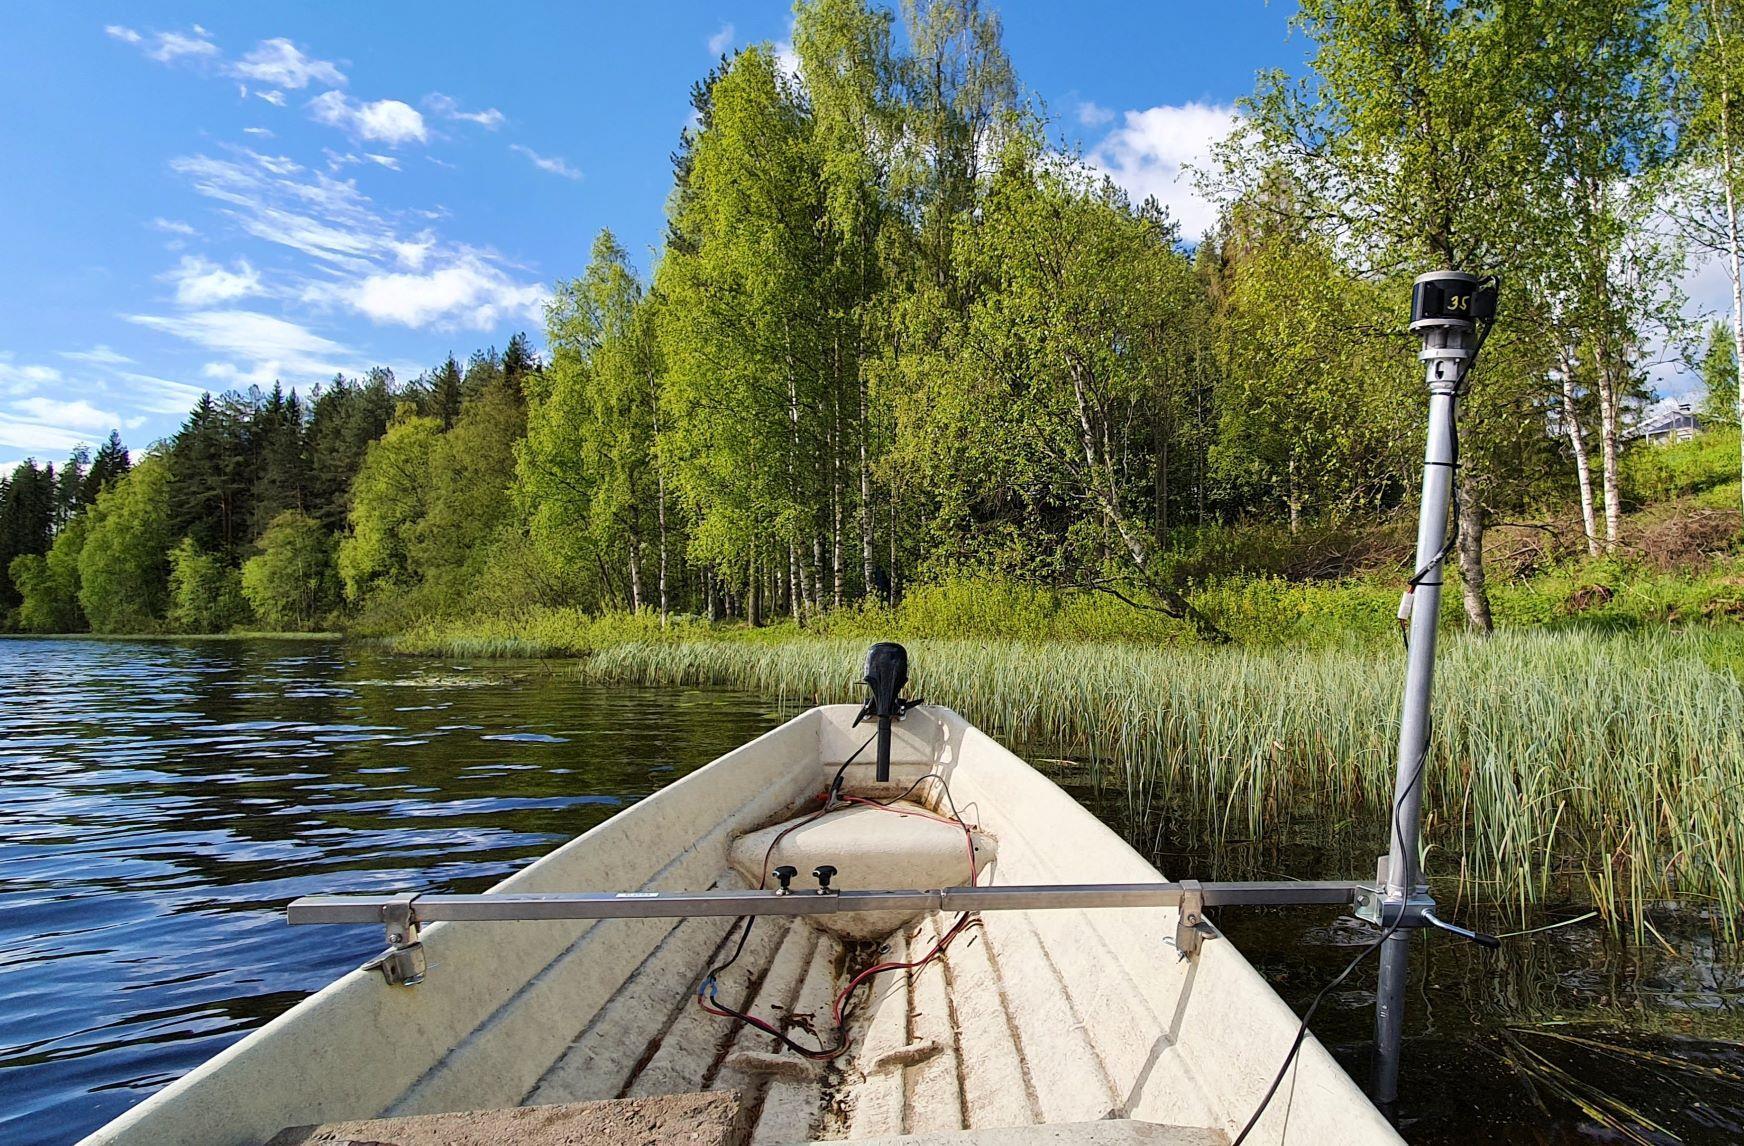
[885, 675]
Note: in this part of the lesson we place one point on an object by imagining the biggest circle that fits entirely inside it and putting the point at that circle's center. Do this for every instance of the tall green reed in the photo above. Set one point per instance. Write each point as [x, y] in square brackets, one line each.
[1563, 765]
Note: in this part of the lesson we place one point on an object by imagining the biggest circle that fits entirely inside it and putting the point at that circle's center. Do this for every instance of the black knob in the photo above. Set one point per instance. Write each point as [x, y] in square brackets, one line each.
[823, 873]
[784, 876]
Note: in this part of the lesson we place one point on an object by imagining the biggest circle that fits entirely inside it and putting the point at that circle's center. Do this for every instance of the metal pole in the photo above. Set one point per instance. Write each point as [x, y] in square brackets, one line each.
[1445, 349]
[504, 907]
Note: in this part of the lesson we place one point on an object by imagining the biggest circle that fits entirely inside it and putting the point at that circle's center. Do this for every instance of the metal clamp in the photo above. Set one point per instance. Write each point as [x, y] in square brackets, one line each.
[1190, 926]
[1375, 906]
[403, 963]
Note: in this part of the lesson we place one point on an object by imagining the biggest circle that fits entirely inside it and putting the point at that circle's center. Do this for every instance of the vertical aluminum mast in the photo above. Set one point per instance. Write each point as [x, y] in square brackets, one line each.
[1446, 307]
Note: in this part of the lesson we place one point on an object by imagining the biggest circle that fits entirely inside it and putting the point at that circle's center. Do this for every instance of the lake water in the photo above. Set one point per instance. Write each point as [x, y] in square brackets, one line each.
[161, 802]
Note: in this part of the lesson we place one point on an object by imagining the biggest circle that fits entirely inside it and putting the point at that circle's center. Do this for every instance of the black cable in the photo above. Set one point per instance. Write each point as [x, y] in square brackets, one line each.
[835, 787]
[1386, 934]
[707, 992]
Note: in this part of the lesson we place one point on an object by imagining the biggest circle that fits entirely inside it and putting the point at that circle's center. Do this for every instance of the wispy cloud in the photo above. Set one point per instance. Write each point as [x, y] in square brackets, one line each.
[39, 438]
[262, 132]
[22, 378]
[1152, 154]
[98, 355]
[167, 47]
[468, 291]
[1093, 114]
[281, 64]
[276, 98]
[554, 164]
[77, 414]
[256, 348]
[387, 121]
[173, 226]
[200, 282]
[390, 268]
[721, 40]
[156, 395]
[449, 108]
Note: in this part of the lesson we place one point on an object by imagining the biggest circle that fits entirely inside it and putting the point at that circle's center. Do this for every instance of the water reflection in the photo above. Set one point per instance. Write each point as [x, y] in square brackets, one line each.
[161, 803]
[1570, 1035]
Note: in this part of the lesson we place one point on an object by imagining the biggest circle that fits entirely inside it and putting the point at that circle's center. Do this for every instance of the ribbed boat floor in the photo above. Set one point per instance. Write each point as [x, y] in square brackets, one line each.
[936, 1049]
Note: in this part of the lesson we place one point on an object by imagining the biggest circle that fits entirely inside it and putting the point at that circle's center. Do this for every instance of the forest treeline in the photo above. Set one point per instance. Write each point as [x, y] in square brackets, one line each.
[900, 330]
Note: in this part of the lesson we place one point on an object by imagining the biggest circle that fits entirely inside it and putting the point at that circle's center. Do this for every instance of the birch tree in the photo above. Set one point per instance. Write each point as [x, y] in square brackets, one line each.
[1706, 38]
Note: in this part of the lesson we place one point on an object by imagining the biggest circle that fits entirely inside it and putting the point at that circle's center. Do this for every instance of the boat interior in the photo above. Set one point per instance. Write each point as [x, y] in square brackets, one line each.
[986, 1023]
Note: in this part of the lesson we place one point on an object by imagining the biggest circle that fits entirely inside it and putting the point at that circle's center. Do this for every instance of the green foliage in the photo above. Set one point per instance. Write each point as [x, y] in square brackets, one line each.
[205, 594]
[388, 501]
[467, 504]
[49, 585]
[291, 582]
[1719, 378]
[124, 563]
[587, 477]
[1660, 473]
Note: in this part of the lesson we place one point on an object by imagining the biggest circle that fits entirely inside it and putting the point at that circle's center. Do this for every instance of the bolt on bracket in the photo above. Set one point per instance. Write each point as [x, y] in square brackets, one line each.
[403, 964]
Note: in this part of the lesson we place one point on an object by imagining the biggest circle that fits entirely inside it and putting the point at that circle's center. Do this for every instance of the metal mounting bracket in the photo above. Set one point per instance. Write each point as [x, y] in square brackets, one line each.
[1190, 926]
[403, 963]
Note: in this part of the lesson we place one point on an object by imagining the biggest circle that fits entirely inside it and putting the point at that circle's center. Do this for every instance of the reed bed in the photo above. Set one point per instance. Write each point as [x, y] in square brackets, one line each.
[1564, 766]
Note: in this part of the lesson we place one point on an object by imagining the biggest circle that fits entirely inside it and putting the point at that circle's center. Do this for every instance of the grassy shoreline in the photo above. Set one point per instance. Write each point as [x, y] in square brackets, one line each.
[1603, 768]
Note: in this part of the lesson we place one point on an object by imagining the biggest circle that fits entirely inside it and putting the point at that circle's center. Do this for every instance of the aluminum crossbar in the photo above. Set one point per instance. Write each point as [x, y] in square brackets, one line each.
[673, 904]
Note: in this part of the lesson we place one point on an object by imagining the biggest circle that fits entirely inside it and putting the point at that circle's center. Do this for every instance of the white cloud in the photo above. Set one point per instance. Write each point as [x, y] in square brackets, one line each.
[721, 40]
[168, 47]
[326, 218]
[160, 395]
[283, 65]
[173, 226]
[1093, 114]
[78, 414]
[469, 291]
[98, 355]
[38, 437]
[391, 268]
[16, 378]
[276, 98]
[200, 282]
[786, 58]
[258, 348]
[386, 120]
[263, 132]
[1150, 152]
[449, 108]
[554, 164]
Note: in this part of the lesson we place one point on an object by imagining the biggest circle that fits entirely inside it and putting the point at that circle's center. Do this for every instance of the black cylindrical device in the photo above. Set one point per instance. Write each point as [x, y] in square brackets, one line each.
[886, 674]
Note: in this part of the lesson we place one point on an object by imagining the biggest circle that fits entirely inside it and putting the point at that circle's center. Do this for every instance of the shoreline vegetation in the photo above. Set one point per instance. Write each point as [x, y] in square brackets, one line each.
[1589, 767]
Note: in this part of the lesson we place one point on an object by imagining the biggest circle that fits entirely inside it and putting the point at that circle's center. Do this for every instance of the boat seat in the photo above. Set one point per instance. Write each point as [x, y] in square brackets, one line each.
[898, 847]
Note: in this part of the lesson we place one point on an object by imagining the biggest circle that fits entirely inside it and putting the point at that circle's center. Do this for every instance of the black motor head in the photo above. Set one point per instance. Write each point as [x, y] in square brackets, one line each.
[1452, 298]
[886, 675]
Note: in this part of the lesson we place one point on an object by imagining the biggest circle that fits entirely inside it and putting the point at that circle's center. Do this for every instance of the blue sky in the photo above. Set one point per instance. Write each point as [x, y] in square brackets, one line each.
[207, 196]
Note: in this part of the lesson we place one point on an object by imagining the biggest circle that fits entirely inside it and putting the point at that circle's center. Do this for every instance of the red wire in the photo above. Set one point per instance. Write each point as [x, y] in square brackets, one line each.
[944, 940]
[842, 997]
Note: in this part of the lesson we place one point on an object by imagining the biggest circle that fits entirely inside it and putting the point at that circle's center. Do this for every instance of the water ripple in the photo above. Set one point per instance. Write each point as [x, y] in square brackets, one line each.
[162, 802]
